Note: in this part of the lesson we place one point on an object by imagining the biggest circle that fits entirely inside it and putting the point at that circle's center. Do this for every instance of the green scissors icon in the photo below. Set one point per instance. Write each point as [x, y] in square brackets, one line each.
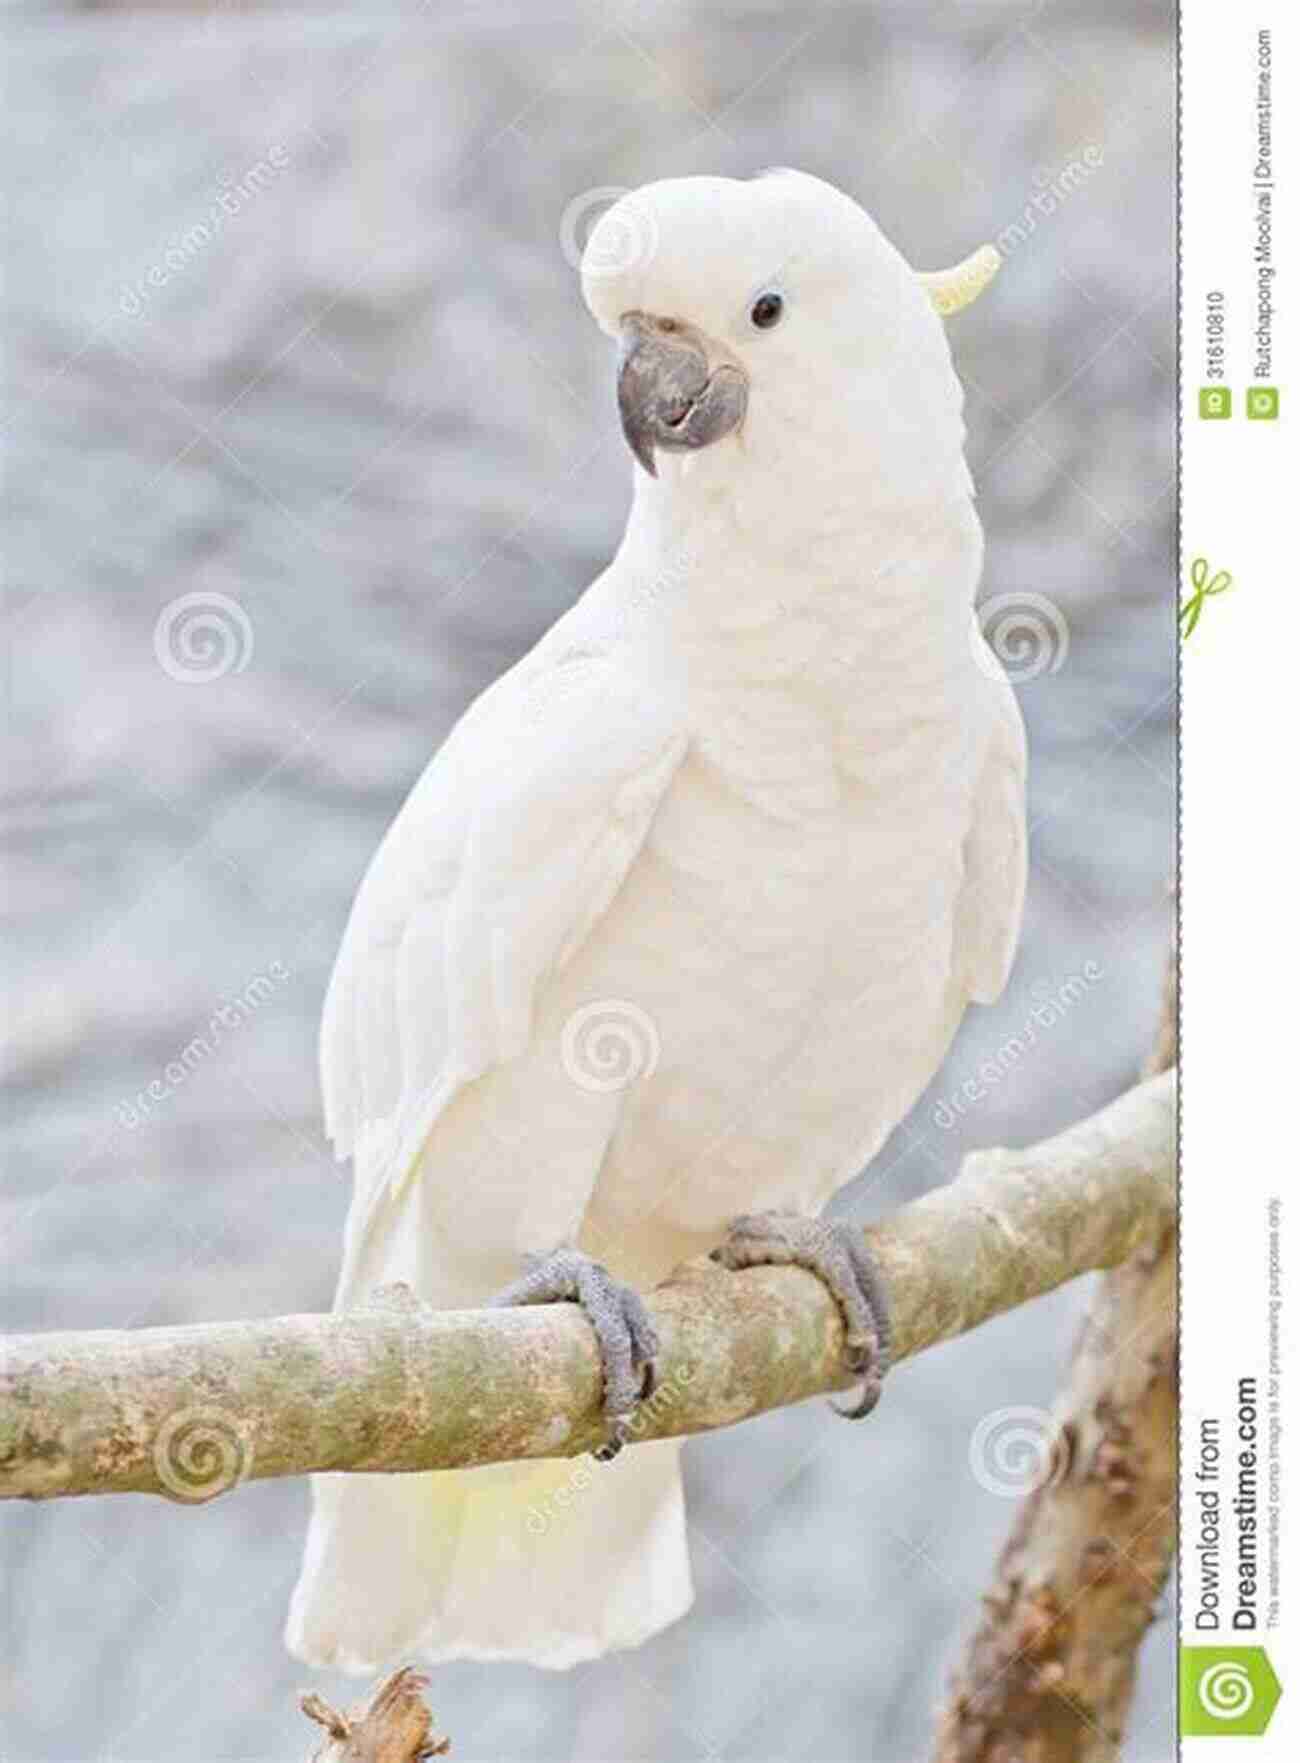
[1203, 585]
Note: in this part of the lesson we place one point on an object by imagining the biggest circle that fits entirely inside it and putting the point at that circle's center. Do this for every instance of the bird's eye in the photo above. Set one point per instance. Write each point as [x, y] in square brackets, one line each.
[766, 311]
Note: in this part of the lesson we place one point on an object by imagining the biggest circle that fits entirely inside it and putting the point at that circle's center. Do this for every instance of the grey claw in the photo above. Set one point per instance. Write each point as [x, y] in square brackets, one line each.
[836, 1253]
[624, 1332]
[871, 1391]
[619, 1432]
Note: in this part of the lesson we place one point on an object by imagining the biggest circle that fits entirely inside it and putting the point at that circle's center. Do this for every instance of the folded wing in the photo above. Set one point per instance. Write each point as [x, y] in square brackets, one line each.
[995, 857]
[507, 853]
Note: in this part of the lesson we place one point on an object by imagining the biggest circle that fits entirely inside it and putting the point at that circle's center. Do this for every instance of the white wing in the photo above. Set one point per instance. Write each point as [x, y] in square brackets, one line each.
[995, 857]
[509, 849]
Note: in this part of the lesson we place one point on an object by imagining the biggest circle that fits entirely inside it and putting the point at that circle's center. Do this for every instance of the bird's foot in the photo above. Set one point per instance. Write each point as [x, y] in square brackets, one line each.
[618, 1315]
[836, 1253]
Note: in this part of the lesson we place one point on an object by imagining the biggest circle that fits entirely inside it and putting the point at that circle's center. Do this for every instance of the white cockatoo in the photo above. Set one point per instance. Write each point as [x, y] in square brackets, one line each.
[682, 917]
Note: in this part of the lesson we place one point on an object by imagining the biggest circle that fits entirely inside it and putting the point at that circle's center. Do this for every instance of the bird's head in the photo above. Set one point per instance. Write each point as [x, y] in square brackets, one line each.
[771, 321]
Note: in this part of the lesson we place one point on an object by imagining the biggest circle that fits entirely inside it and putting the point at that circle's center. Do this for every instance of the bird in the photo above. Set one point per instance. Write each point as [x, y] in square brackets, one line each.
[682, 917]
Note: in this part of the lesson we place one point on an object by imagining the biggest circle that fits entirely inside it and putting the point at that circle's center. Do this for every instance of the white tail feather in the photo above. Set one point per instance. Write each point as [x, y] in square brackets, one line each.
[546, 1563]
[549, 1562]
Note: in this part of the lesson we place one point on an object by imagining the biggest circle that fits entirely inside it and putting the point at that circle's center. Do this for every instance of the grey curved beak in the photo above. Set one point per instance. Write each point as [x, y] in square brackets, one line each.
[668, 397]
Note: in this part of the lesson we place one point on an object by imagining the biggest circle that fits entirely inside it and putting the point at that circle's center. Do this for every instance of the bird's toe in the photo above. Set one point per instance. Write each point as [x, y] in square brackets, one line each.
[839, 1257]
[625, 1335]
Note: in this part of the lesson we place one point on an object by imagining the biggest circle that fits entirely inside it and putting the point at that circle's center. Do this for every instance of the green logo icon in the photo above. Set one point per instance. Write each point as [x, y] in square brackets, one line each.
[1226, 1690]
[1215, 403]
[1261, 404]
[1204, 585]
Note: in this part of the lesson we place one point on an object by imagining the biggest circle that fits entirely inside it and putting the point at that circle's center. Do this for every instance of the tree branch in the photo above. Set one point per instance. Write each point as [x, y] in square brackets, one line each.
[395, 1726]
[191, 1412]
[1049, 1672]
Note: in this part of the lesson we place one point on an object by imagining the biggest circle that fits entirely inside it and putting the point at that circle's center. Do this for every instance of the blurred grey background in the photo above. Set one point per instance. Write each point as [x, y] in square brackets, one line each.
[292, 328]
